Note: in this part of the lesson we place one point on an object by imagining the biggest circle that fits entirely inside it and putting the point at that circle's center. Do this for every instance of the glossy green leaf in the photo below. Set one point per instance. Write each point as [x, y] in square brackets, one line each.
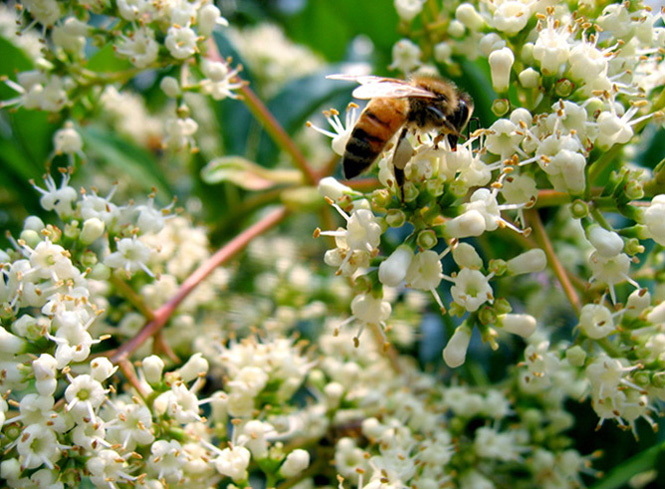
[329, 27]
[14, 60]
[134, 162]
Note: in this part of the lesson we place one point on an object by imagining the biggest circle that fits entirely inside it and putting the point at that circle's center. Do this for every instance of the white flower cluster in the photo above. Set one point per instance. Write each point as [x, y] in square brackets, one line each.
[143, 32]
[583, 89]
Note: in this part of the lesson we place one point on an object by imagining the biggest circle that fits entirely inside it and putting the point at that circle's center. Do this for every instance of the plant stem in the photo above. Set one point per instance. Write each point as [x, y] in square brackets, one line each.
[277, 133]
[560, 272]
[162, 315]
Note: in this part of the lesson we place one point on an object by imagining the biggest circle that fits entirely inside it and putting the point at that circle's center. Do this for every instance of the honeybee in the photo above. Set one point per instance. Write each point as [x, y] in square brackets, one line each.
[423, 103]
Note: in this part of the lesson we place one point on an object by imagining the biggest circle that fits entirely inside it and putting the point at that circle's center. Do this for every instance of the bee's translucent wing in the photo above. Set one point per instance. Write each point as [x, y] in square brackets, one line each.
[390, 89]
[376, 86]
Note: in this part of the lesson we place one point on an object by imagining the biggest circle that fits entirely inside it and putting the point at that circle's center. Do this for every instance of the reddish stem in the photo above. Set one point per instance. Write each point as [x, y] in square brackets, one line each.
[162, 315]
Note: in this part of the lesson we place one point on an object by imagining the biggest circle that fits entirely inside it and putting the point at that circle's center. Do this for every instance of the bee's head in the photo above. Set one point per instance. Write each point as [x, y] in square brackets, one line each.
[460, 118]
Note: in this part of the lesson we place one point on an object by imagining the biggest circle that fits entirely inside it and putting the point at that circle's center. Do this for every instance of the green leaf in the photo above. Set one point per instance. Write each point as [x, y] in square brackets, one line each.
[134, 162]
[106, 61]
[642, 462]
[26, 142]
[14, 60]
[329, 27]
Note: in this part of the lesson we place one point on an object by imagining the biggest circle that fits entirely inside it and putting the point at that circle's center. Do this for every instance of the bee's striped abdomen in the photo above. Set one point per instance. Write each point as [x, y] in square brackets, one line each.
[377, 124]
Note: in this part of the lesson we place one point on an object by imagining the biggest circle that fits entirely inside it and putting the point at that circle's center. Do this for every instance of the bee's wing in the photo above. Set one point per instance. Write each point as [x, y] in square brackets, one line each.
[376, 86]
[390, 89]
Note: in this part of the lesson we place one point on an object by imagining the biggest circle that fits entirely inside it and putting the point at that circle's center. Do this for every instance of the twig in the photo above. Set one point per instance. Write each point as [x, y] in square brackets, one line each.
[558, 269]
[162, 315]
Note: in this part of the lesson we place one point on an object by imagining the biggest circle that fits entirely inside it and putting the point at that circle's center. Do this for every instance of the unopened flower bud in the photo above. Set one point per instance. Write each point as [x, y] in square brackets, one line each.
[531, 261]
[33, 223]
[501, 62]
[170, 86]
[471, 223]
[529, 78]
[393, 269]
[466, 255]
[608, 243]
[470, 17]
[295, 463]
[523, 325]
[67, 140]
[657, 314]
[331, 188]
[101, 369]
[454, 354]
[456, 28]
[93, 229]
[576, 356]
[32, 238]
[195, 366]
[10, 343]
[153, 366]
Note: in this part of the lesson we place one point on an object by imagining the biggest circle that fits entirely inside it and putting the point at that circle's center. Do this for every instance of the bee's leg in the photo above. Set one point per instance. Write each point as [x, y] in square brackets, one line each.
[401, 156]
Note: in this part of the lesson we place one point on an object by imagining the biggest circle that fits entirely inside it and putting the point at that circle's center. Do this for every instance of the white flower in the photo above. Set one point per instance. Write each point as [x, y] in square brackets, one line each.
[504, 138]
[71, 36]
[107, 467]
[179, 133]
[501, 63]
[84, 396]
[370, 309]
[233, 462]
[406, 56]
[408, 9]
[596, 321]
[46, 12]
[551, 48]
[132, 255]
[611, 270]
[58, 199]
[134, 9]
[37, 446]
[529, 78]
[341, 130]
[489, 443]
[130, 425]
[181, 42]
[167, 460]
[471, 289]
[512, 16]
[140, 47]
